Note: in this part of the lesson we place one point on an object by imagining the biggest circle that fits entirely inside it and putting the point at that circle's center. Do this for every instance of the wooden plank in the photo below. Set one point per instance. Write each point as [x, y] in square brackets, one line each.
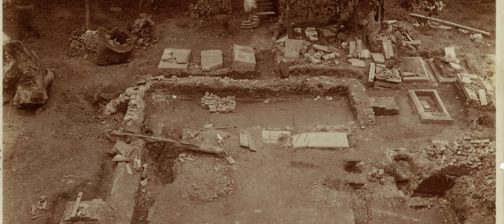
[451, 24]
[76, 205]
[143, 136]
[372, 72]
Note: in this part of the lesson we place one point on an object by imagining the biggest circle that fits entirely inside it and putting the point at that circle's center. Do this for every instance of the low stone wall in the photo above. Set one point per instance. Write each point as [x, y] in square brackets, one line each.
[351, 88]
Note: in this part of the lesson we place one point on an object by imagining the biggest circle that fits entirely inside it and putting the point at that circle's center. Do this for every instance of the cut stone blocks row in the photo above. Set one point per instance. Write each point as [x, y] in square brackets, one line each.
[174, 59]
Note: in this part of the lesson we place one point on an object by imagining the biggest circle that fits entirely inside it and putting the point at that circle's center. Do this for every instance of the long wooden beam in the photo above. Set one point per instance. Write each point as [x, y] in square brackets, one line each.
[451, 24]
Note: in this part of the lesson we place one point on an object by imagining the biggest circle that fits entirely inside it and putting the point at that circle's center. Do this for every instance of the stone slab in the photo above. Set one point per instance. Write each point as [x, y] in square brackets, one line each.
[378, 57]
[321, 48]
[320, 140]
[372, 72]
[123, 148]
[274, 136]
[352, 49]
[482, 97]
[211, 59]
[450, 52]
[414, 65]
[244, 59]
[174, 59]
[388, 49]
[122, 198]
[357, 62]
[293, 48]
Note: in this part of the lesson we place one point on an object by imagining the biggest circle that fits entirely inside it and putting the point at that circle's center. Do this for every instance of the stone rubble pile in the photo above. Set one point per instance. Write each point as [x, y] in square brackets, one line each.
[143, 29]
[376, 175]
[467, 152]
[216, 104]
[208, 8]
[82, 43]
[387, 78]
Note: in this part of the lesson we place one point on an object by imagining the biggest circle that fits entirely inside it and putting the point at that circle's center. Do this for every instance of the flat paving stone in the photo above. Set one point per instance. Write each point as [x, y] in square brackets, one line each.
[244, 59]
[211, 59]
[321, 140]
[293, 48]
[274, 136]
[174, 59]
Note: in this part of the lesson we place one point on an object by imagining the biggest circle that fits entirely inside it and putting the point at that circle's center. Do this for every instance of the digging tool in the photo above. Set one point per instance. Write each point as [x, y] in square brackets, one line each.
[221, 143]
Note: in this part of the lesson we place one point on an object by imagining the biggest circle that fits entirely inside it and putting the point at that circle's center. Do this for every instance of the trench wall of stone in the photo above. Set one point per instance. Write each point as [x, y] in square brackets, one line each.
[351, 88]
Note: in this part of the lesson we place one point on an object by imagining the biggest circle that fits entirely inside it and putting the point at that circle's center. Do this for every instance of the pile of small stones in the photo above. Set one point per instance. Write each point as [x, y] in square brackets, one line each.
[216, 104]
[83, 43]
[376, 175]
[466, 151]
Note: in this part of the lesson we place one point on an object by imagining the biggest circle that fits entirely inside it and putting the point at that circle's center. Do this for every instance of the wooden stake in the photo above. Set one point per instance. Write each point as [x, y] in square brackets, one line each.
[451, 24]
[144, 136]
[88, 22]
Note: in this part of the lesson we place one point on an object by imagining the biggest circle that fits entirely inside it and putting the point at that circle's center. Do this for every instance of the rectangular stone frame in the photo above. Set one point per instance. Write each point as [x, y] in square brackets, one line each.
[427, 117]
[440, 78]
[425, 78]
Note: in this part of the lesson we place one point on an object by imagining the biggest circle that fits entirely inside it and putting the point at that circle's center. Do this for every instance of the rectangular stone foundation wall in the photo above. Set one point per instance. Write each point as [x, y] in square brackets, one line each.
[355, 92]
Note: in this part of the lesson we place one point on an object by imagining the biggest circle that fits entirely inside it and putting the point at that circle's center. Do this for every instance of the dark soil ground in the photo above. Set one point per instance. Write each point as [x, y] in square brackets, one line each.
[61, 150]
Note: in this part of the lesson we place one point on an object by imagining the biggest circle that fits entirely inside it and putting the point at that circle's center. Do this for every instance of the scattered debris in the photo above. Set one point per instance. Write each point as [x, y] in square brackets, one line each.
[216, 104]
[94, 210]
[142, 29]
[478, 93]
[386, 78]
[38, 207]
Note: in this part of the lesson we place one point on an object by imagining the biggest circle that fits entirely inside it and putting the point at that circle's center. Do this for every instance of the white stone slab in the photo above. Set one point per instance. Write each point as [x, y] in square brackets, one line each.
[293, 48]
[274, 136]
[211, 59]
[174, 59]
[243, 58]
[320, 140]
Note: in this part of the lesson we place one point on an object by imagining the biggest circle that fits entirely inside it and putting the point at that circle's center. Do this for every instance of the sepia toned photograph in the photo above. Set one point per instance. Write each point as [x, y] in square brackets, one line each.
[250, 112]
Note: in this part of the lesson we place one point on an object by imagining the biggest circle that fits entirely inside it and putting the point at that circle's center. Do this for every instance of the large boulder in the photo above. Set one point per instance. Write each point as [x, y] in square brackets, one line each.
[23, 77]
